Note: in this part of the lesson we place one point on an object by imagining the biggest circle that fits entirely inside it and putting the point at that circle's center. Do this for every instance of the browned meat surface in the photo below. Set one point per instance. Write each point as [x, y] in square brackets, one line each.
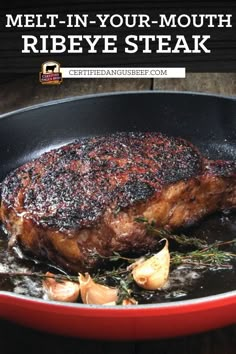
[83, 199]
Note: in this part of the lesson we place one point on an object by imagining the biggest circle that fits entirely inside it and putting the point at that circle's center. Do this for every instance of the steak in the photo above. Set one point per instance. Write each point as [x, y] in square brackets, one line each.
[80, 203]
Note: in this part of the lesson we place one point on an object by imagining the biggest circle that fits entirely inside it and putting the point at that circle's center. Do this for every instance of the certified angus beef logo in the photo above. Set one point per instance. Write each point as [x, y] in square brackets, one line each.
[50, 73]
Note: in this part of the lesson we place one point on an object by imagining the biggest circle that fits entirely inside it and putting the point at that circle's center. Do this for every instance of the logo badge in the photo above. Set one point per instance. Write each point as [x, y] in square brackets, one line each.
[50, 73]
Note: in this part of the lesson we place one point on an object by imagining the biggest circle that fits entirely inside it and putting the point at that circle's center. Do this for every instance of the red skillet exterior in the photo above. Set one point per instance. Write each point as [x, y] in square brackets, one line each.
[134, 323]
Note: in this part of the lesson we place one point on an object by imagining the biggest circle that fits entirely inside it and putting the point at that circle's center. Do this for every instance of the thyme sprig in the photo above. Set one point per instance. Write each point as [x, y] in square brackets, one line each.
[182, 239]
[115, 274]
[124, 289]
[209, 257]
[57, 277]
[117, 257]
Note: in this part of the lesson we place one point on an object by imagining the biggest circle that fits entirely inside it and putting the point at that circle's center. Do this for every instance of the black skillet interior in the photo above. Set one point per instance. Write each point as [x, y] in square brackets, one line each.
[207, 121]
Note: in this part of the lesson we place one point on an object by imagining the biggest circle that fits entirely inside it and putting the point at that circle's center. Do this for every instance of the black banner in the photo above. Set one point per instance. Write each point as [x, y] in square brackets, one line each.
[197, 35]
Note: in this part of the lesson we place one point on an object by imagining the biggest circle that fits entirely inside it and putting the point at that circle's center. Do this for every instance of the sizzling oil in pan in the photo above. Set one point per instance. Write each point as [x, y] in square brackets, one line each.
[185, 282]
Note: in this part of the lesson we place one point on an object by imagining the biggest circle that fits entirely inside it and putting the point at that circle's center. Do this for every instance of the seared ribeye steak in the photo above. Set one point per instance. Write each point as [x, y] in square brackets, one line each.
[83, 200]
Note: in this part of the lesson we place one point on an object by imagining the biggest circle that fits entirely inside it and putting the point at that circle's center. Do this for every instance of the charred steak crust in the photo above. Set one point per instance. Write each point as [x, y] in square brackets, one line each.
[86, 195]
[71, 187]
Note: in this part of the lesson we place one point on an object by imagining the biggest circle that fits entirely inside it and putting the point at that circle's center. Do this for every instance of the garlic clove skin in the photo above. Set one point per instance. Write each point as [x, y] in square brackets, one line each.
[152, 274]
[96, 294]
[65, 291]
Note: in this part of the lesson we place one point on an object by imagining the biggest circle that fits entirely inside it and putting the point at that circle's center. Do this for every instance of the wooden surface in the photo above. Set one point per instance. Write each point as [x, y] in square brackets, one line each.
[22, 91]
[25, 90]
[218, 83]
[15, 340]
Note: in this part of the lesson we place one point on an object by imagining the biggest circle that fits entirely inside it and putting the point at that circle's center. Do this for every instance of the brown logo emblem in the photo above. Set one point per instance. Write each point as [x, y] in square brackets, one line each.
[50, 73]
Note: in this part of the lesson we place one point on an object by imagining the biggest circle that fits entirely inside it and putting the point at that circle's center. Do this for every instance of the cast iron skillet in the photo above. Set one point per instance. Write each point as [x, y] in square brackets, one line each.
[206, 120]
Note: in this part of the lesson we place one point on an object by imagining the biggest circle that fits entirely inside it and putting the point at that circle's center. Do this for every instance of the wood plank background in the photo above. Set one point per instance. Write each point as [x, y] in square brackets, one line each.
[16, 339]
[25, 90]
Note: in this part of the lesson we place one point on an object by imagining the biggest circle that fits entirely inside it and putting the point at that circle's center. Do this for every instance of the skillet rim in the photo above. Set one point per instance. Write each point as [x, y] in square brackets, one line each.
[168, 305]
[116, 93]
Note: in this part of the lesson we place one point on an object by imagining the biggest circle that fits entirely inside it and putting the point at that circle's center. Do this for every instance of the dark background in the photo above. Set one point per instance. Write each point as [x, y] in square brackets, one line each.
[222, 42]
[16, 339]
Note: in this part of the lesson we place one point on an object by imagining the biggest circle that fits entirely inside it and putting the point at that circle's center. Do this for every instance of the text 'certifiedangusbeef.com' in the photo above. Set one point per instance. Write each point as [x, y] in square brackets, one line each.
[123, 72]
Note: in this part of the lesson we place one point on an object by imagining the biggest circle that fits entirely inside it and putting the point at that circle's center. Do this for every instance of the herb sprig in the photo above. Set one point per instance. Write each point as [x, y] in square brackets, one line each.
[182, 239]
[202, 255]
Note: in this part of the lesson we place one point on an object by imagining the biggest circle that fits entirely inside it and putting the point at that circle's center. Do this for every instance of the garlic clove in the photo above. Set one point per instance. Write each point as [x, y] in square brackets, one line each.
[153, 273]
[112, 303]
[136, 263]
[93, 293]
[129, 301]
[66, 291]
